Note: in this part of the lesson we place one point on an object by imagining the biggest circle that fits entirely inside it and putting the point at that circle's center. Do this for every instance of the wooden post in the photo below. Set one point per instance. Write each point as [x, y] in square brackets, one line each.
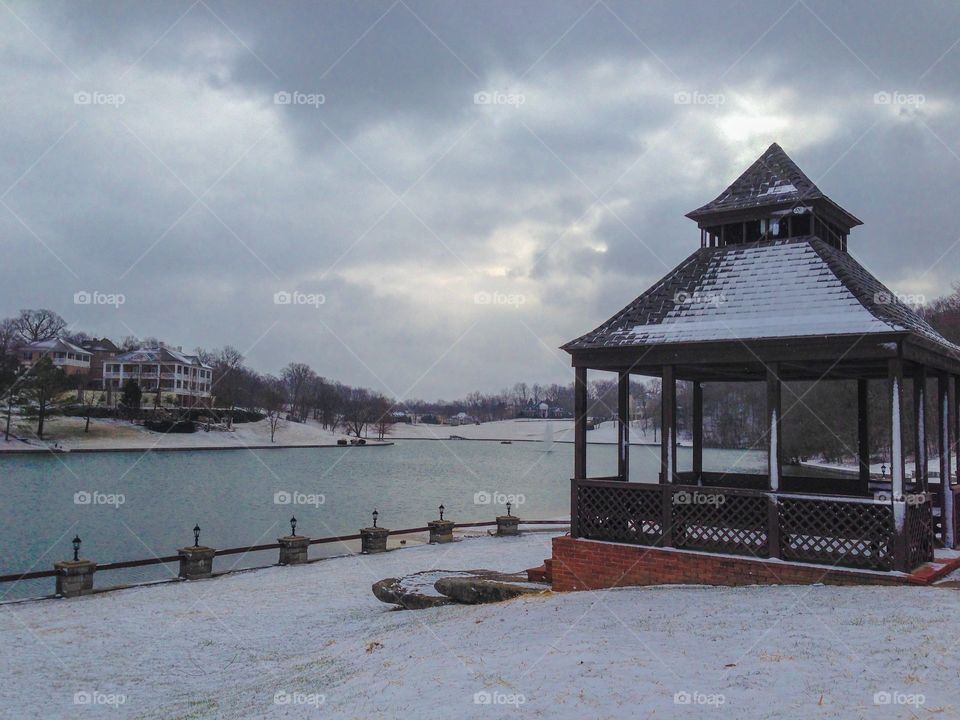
[580, 423]
[863, 434]
[698, 431]
[574, 514]
[897, 465]
[668, 426]
[623, 426]
[944, 445]
[920, 428]
[774, 463]
[668, 452]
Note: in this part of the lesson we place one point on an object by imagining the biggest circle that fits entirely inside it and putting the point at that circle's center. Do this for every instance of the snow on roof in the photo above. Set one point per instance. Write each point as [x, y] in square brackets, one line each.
[55, 344]
[160, 354]
[772, 180]
[774, 289]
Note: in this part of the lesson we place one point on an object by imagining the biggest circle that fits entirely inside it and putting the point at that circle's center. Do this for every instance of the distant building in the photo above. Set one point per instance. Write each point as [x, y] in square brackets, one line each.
[177, 373]
[101, 351]
[65, 355]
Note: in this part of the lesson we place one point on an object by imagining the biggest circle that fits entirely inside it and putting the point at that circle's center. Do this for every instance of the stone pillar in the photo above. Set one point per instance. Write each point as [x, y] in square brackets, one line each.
[373, 540]
[293, 549]
[196, 562]
[441, 531]
[74, 577]
[507, 525]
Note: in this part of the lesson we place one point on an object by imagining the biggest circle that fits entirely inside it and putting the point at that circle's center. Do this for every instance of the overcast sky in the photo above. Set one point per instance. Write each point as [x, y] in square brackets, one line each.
[199, 158]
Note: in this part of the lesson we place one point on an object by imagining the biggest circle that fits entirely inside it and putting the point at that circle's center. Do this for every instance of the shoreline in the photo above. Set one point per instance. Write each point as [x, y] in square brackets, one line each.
[48, 451]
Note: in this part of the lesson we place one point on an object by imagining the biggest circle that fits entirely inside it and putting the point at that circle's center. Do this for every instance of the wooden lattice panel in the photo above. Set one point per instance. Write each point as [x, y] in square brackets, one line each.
[720, 522]
[919, 532]
[837, 532]
[627, 513]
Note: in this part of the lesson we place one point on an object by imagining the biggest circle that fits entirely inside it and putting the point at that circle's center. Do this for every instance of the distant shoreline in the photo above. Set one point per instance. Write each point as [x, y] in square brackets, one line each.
[33, 450]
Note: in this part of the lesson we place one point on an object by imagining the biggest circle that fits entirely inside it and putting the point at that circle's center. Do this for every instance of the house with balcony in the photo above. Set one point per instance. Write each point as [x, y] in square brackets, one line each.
[162, 369]
[73, 360]
[101, 351]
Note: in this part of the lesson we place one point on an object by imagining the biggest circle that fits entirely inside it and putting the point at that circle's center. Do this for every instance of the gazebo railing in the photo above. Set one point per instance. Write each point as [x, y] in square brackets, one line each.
[832, 530]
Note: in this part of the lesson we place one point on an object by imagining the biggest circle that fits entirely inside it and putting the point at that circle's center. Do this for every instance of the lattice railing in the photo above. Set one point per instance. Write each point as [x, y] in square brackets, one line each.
[919, 530]
[837, 532]
[816, 529]
[719, 521]
[619, 512]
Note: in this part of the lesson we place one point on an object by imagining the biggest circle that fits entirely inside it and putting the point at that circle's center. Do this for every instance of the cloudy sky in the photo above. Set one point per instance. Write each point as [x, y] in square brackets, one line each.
[465, 185]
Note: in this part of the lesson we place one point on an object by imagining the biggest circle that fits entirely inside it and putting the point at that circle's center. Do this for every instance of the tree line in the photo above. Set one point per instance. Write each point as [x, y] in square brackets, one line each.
[819, 419]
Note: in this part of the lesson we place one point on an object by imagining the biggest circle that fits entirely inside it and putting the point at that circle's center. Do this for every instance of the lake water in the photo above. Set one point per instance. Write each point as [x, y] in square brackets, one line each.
[232, 495]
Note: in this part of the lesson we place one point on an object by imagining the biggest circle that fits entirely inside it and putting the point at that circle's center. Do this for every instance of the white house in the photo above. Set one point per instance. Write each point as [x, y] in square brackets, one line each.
[177, 373]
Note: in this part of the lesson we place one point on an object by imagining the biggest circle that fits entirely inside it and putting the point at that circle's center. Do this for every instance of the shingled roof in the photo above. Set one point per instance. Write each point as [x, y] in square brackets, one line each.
[796, 287]
[773, 180]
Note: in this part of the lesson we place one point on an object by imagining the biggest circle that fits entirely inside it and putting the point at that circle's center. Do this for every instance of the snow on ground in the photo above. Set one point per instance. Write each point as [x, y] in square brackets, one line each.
[532, 429]
[109, 434]
[878, 469]
[242, 645]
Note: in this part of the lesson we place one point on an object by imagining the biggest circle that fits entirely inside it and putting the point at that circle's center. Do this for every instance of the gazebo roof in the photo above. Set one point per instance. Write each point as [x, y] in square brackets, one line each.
[791, 288]
[773, 181]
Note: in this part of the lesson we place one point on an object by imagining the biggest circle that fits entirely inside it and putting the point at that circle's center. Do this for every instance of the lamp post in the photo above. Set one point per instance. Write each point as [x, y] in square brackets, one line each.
[508, 509]
[375, 516]
[196, 536]
[293, 527]
[441, 511]
[76, 548]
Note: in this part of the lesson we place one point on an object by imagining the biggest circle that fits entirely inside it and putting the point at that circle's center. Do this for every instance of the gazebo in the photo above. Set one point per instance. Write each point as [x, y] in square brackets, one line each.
[771, 295]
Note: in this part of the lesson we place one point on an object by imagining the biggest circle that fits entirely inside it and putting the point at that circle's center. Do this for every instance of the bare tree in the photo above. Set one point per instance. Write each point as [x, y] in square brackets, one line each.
[272, 399]
[35, 325]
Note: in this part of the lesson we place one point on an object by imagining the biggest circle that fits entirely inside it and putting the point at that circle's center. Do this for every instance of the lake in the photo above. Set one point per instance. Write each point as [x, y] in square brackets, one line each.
[233, 494]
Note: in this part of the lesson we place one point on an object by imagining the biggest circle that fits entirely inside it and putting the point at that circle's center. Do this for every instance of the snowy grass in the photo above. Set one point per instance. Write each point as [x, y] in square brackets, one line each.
[315, 635]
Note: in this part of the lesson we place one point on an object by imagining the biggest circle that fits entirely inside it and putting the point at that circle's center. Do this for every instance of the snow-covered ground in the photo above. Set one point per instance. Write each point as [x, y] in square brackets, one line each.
[312, 642]
[878, 469]
[108, 434]
[518, 429]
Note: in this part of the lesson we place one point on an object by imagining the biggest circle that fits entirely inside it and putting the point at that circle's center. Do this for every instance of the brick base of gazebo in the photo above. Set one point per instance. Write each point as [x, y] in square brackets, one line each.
[579, 564]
